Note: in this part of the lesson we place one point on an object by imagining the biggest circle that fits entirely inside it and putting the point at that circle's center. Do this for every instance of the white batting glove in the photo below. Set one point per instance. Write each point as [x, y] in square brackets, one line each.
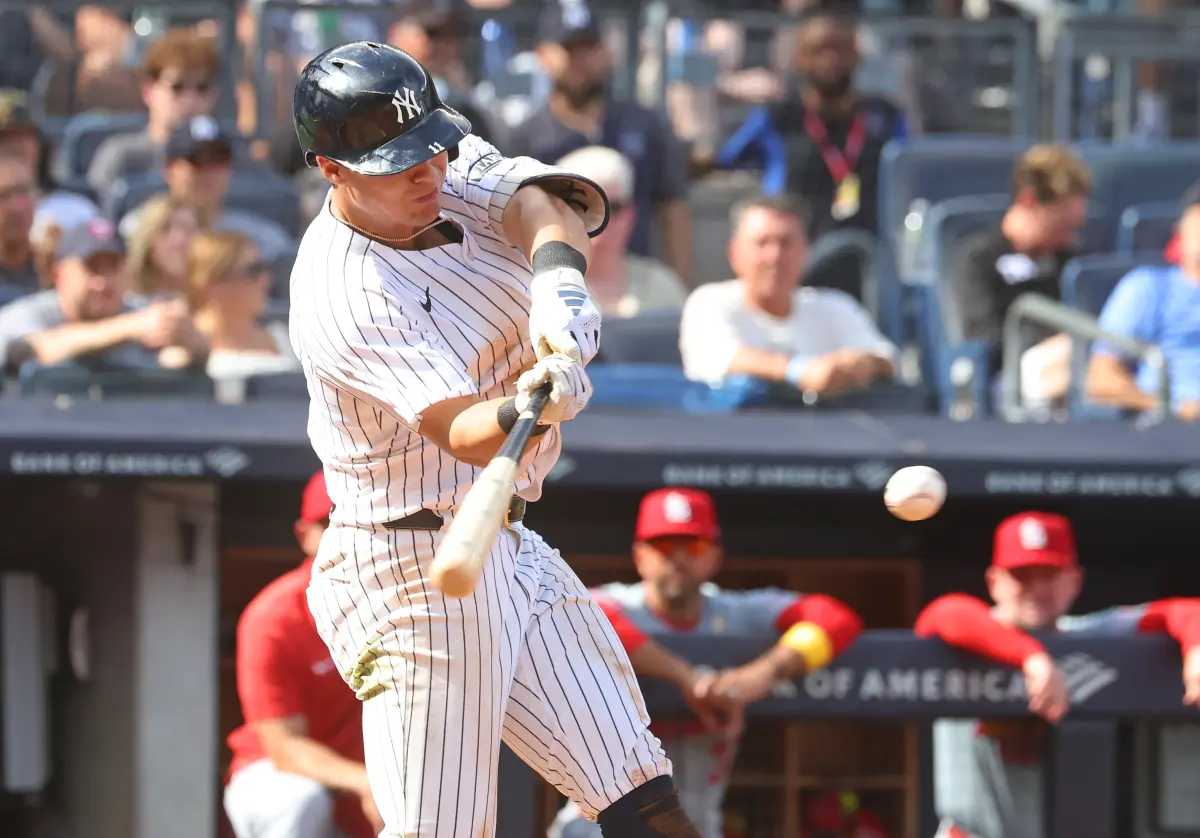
[562, 317]
[570, 388]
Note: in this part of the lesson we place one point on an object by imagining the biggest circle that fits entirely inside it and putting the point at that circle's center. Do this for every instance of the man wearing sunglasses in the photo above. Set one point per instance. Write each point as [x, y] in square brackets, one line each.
[179, 82]
[677, 551]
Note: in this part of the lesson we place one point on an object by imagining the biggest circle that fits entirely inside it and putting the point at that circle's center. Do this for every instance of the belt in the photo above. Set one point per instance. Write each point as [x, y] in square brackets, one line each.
[427, 519]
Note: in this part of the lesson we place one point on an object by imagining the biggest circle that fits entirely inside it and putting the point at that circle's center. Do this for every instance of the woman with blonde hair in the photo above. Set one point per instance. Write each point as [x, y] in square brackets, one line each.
[227, 285]
[158, 247]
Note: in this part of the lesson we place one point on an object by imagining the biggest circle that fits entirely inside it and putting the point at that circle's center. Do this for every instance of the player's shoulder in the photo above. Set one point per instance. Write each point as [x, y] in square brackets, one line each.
[280, 604]
[475, 158]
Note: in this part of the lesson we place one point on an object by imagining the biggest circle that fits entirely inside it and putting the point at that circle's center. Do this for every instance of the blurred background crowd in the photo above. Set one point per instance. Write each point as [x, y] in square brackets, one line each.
[974, 209]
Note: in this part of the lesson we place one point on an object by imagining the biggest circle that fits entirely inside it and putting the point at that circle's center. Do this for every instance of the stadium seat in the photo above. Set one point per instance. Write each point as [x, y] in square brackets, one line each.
[82, 381]
[253, 189]
[915, 174]
[845, 260]
[1126, 175]
[1147, 227]
[659, 386]
[83, 136]
[283, 386]
[651, 338]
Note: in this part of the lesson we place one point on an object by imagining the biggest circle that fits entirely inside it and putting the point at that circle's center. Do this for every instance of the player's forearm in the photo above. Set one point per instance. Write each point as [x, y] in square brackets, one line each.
[966, 622]
[650, 660]
[309, 758]
[473, 434]
[534, 217]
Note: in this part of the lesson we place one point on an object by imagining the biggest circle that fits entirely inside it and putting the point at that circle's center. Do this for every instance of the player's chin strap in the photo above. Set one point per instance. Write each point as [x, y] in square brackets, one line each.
[651, 810]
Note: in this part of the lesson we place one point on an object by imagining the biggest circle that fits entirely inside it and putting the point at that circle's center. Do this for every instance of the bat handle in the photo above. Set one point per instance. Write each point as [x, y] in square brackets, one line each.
[522, 429]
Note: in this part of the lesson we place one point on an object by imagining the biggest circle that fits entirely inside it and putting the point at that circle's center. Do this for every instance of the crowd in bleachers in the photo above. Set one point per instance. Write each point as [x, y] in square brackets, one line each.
[152, 193]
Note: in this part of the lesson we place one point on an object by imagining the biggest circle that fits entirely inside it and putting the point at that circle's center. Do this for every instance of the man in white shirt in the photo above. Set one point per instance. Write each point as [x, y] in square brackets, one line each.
[764, 324]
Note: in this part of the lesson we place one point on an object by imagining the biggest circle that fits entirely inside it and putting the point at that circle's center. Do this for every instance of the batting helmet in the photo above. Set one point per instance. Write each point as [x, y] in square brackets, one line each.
[374, 109]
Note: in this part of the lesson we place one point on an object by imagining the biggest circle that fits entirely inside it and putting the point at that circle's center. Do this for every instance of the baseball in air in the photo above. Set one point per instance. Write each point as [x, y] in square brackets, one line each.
[915, 493]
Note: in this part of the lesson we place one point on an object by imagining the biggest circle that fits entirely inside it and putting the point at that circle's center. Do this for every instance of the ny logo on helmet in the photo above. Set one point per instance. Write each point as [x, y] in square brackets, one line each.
[408, 102]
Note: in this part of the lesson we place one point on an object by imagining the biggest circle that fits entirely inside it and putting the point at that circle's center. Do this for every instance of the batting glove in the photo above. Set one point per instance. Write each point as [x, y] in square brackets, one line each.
[570, 388]
[562, 317]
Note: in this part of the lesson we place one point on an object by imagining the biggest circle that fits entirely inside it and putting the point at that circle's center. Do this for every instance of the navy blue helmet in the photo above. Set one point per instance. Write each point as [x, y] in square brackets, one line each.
[372, 108]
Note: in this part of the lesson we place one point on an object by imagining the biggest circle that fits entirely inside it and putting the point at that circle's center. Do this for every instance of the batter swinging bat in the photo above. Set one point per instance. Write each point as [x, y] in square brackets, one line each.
[469, 538]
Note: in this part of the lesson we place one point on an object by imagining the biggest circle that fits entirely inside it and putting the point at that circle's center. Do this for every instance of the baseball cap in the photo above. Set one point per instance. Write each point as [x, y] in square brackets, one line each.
[315, 505]
[1034, 538]
[675, 511]
[197, 134]
[84, 240]
[568, 22]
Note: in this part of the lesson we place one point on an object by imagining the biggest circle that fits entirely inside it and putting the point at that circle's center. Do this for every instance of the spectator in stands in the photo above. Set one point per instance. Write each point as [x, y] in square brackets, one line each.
[228, 283]
[824, 141]
[158, 247]
[434, 36]
[764, 324]
[677, 552]
[623, 284]
[198, 169]
[1158, 305]
[180, 73]
[84, 315]
[581, 112]
[21, 137]
[987, 774]
[1036, 238]
[18, 195]
[298, 759]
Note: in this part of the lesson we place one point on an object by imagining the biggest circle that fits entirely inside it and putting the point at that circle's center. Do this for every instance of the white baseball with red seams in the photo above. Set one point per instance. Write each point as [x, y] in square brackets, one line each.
[915, 493]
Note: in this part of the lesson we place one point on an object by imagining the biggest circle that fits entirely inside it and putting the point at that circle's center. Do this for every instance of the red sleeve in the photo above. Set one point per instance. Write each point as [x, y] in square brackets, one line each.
[630, 635]
[1178, 617]
[837, 619]
[966, 622]
[264, 671]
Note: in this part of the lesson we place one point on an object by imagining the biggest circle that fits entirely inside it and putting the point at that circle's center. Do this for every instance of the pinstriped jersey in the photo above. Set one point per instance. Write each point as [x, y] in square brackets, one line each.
[383, 333]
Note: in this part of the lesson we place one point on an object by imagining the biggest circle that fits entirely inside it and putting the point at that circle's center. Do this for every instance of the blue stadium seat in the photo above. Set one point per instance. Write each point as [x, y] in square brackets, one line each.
[83, 135]
[1147, 227]
[650, 338]
[82, 381]
[928, 169]
[283, 386]
[1127, 175]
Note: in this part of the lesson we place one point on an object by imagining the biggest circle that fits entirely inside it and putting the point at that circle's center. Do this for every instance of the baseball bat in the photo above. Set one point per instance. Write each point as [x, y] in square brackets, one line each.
[473, 530]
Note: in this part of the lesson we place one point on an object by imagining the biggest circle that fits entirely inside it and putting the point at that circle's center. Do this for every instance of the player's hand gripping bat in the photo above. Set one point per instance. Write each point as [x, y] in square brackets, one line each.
[469, 538]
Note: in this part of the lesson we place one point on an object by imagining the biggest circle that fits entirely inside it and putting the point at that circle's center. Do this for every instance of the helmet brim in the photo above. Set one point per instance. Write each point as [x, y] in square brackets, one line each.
[440, 130]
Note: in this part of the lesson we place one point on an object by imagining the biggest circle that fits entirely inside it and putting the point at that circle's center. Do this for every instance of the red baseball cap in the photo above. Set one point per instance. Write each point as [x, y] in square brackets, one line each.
[315, 504]
[674, 511]
[1034, 538]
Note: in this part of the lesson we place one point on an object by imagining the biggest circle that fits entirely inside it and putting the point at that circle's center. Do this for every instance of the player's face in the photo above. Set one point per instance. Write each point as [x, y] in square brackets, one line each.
[767, 252]
[92, 288]
[676, 565]
[410, 199]
[1033, 597]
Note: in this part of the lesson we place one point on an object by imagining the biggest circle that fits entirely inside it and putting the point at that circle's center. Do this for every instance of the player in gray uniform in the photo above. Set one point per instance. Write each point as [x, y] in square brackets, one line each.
[677, 551]
[440, 286]
[988, 776]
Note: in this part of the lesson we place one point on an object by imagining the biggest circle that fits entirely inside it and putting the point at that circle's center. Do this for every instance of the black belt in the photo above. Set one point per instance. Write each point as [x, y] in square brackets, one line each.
[427, 519]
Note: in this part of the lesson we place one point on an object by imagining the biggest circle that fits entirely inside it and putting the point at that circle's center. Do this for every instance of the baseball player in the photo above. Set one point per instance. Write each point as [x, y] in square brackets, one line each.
[677, 551]
[439, 286]
[297, 769]
[988, 774]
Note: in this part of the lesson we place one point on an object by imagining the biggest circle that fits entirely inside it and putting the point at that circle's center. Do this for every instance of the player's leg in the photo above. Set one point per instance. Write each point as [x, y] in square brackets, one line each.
[264, 802]
[575, 713]
[432, 673]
